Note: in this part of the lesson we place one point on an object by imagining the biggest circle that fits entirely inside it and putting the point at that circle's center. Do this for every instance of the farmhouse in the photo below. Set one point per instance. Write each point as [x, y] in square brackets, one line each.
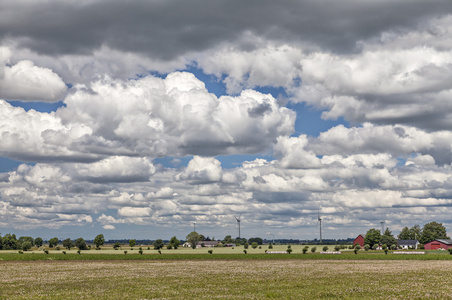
[359, 240]
[438, 244]
[203, 244]
[408, 244]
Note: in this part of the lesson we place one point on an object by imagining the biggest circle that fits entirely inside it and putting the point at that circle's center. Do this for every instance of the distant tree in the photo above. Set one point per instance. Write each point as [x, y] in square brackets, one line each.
[228, 240]
[387, 238]
[305, 249]
[258, 240]
[26, 246]
[158, 244]
[80, 244]
[325, 248]
[404, 234]
[246, 245]
[117, 245]
[99, 240]
[357, 248]
[193, 239]
[68, 243]
[240, 241]
[29, 239]
[270, 246]
[132, 243]
[38, 242]
[412, 233]
[202, 238]
[53, 242]
[433, 231]
[10, 242]
[254, 245]
[174, 242]
[372, 237]
[313, 249]
[366, 247]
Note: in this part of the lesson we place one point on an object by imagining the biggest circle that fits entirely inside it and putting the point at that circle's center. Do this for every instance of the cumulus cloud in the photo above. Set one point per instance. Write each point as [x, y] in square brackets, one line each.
[26, 82]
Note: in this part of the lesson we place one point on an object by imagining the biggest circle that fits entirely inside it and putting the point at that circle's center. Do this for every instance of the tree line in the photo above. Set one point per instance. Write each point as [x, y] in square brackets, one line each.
[430, 232]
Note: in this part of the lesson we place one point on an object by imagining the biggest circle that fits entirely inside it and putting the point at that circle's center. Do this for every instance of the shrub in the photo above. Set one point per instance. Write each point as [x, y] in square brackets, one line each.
[46, 251]
[270, 246]
[450, 251]
[393, 247]
[305, 249]
[337, 248]
[246, 245]
[169, 247]
[149, 248]
[325, 248]
[289, 246]
[313, 249]
[21, 252]
[160, 251]
[57, 248]
[125, 251]
[210, 251]
[260, 247]
[421, 246]
[374, 247]
[141, 252]
[244, 251]
[79, 252]
[117, 245]
[350, 247]
[289, 250]
[366, 247]
[64, 252]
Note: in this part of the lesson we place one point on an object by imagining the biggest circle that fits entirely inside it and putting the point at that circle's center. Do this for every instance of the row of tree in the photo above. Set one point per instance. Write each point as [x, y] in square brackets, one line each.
[430, 232]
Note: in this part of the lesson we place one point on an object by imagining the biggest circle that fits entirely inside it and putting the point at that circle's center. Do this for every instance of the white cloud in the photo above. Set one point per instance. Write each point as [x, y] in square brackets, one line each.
[26, 82]
[109, 227]
[134, 212]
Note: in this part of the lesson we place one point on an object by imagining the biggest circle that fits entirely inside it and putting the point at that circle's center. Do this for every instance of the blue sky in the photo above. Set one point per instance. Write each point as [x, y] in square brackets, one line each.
[135, 127]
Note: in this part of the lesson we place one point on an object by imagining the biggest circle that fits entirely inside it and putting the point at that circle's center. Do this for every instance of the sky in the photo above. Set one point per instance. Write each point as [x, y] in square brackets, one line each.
[136, 119]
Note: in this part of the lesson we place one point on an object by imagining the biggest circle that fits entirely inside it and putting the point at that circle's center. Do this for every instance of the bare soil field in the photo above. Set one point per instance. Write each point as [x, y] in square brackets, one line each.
[228, 279]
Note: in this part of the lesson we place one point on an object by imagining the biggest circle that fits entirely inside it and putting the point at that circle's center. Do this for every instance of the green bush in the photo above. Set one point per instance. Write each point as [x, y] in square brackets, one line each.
[125, 251]
[366, 247]
[450, 251]
[79, 252]
[244, 251]
[210, 251]
[313, 249]
[141, 252]
[46, 251]
[325, 248]
[337, 248]
[246, 245]
[289, 250]
[64, 252]
[270, 246]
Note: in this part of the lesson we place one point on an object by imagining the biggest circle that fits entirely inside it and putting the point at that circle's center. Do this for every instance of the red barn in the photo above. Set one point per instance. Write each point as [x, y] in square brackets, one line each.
[359, 240]
[437, 244]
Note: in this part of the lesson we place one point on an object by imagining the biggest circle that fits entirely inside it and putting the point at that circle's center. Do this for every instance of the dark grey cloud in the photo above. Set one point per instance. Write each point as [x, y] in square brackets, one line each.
[166, 29]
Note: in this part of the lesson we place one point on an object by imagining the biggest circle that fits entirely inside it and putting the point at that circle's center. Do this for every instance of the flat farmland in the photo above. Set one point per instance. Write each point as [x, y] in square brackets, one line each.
[226, 279]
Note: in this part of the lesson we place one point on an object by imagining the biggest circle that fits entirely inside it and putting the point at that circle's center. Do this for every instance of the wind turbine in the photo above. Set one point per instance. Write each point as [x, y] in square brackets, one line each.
[238, 223]
[319, 222]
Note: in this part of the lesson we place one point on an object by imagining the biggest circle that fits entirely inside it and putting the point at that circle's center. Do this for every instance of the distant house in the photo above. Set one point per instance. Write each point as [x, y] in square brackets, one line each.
[408, 244]
[438, 244]
[359, 240]
[207, 244]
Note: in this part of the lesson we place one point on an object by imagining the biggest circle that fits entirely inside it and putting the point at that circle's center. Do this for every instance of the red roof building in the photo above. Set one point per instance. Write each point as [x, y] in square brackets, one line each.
[359, 240]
